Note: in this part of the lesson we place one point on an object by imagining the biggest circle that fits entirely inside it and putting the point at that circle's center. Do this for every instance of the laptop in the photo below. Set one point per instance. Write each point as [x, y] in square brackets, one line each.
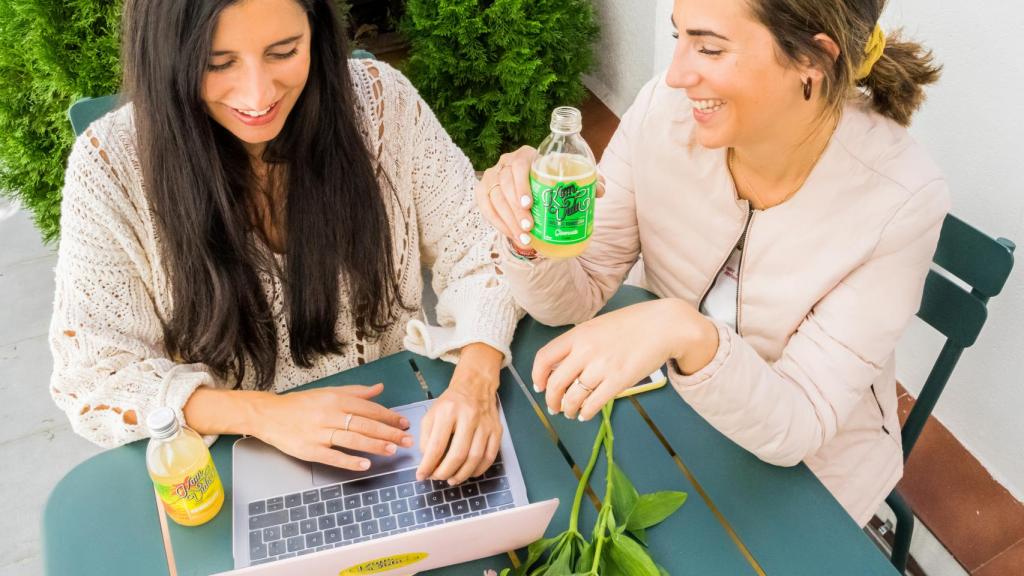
[295, 517]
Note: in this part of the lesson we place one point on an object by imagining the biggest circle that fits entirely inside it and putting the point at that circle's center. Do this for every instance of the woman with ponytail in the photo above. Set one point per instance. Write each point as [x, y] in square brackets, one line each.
[784, 216]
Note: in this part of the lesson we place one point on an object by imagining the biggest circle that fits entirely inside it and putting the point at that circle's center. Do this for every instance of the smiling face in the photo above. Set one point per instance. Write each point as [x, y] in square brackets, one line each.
[259, 63]
[728, 64]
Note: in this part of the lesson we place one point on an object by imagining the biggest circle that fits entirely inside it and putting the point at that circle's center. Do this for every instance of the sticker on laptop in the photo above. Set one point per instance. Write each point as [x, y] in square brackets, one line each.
[385, 564]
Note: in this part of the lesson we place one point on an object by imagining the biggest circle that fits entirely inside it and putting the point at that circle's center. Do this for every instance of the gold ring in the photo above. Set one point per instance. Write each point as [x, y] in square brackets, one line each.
[582, 385]
[348, 422]
[491, 189]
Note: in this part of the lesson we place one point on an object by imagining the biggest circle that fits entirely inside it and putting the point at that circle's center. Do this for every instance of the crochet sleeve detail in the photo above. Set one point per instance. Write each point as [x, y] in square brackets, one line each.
[474, 302]
[110, 365]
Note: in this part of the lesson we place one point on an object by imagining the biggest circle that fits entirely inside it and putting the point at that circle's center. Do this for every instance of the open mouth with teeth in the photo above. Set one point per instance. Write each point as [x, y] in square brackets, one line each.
[256, 113]
[708, 106]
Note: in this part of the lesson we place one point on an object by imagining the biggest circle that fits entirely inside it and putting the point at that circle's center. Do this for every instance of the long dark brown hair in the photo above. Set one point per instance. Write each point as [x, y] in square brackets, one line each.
[199, 182]
[896, 83]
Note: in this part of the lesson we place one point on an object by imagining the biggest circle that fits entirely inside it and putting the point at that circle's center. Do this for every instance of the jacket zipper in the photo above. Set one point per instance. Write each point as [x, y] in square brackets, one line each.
[880, 411]
[714, 278]
[739, 267]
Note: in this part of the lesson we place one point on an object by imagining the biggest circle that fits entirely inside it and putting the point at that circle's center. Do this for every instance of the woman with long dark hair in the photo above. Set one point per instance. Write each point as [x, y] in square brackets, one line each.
[256, 217]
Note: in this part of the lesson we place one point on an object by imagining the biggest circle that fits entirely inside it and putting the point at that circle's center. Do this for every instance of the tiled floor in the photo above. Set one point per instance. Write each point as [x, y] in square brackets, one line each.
[979, 521]
[36, 441]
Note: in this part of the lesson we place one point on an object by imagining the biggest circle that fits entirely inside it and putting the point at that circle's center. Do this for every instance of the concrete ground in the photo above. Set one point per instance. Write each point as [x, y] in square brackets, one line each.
[37, 445]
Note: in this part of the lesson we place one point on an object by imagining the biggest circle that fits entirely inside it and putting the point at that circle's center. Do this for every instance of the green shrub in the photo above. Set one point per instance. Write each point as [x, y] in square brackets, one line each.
[492, 71]
[51, 54]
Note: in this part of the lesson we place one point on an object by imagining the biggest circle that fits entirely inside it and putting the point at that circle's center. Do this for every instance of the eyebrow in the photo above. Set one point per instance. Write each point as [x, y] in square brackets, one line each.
[699, 31]
[288, 40]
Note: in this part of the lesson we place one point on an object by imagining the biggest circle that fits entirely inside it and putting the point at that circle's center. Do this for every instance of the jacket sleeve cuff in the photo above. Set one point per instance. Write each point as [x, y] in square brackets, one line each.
[706, 375]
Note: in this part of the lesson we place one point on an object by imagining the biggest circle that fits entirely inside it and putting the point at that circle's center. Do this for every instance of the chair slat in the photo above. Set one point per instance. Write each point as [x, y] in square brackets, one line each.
[973, 256]
[951, 310]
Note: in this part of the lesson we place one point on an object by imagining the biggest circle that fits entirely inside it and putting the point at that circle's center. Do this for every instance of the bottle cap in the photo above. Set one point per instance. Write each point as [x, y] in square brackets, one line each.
[566, 120]
[162, 422]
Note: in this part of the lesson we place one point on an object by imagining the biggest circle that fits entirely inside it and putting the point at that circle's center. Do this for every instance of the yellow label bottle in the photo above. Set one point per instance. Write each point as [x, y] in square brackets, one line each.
[563, 180]
[182, 470]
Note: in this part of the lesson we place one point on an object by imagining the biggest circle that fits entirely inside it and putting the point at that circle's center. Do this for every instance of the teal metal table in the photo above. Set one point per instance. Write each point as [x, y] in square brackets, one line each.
[742, 517]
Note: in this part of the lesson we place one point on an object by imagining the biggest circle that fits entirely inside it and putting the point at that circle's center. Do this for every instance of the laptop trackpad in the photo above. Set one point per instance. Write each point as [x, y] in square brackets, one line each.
[404, 458]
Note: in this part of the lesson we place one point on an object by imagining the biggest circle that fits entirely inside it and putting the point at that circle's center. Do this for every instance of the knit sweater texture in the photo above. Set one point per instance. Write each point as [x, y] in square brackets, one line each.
[113, 293]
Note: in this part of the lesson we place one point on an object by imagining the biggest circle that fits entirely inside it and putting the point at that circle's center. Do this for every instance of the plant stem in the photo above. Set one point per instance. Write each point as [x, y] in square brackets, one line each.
[574, 518]
[602, 521]
[606, 505]
[609, 442]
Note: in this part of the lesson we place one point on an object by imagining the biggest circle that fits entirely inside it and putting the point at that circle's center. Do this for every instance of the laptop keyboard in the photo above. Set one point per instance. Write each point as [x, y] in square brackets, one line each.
[359, 510]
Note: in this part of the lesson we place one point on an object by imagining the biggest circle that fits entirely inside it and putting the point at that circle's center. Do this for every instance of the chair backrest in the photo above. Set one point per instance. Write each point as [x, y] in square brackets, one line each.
[85, 111]
[984, 265]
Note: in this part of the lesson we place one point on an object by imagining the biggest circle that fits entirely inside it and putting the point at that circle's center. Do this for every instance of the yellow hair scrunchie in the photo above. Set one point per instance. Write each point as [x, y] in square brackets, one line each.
[872, 52]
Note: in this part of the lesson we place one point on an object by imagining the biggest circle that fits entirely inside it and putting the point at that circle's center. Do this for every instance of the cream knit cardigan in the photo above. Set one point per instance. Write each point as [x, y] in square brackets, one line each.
[113, 293]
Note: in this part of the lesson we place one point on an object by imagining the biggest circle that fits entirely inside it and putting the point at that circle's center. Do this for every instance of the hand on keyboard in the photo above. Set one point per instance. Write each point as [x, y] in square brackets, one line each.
[467, 415]
[308, 424]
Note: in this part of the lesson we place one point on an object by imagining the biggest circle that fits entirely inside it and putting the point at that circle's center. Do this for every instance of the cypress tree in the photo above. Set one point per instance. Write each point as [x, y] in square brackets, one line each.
[492, 71]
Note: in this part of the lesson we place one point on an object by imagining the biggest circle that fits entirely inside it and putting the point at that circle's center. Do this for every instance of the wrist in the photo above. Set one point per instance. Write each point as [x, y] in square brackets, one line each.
[217, 411]
[697, 341]
[526, 254]
[478, 368]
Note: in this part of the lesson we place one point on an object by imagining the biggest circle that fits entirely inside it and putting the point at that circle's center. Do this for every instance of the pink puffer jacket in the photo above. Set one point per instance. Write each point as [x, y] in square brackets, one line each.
[828, 282]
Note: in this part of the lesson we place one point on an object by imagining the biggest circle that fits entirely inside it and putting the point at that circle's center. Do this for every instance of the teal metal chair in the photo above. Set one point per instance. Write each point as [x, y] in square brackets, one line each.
[85, 111]
[984, 265]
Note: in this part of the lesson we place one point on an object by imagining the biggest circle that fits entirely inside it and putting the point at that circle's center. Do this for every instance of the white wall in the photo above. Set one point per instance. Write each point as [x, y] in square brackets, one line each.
[972, 124]
[625, 52]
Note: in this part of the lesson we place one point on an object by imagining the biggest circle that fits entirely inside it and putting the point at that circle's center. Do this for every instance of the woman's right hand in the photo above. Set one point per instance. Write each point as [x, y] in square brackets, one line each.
[309, 424]
[504, 197]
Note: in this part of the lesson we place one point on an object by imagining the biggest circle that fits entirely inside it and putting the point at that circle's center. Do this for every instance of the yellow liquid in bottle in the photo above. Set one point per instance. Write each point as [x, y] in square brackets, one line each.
[551, 171]
[185, 478]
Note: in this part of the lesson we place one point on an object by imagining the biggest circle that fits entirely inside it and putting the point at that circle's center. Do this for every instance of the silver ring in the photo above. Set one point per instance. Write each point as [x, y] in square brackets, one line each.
[577, 382]
[348, 422]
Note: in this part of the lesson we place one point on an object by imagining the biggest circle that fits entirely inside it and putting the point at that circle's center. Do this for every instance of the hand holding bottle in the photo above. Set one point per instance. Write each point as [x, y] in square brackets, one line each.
[544, 199]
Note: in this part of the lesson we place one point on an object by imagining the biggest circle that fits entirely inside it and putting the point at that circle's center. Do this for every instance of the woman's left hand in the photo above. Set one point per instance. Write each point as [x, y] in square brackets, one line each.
[585, 368]
[467, 415]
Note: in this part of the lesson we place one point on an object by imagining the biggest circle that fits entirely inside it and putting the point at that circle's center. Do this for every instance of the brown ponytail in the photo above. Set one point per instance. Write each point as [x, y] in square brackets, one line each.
[896, 82]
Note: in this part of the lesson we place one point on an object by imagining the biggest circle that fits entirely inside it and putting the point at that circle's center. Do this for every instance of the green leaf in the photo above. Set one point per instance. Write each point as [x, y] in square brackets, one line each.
[630, 558]
[586, 558]
[653, 508]
[624, 494]
[537, 549]
[639, 533]
[506, 572]
[561, 560]
[662, 571]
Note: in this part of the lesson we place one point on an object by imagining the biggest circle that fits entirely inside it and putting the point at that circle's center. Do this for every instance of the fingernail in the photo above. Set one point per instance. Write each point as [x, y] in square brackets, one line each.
[581, 418]
[526, 224]
[524, 239]
[451, 482]
[364, 464]
[525, 201]
[404, 422]
[536, 389]
[391, 448]
[407, 441]
[552, 412]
